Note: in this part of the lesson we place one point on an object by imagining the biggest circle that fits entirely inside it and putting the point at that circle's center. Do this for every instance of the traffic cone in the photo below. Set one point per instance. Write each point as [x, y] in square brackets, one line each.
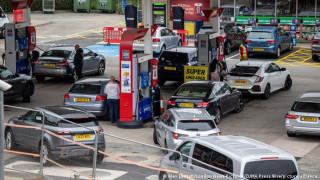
[161, 104]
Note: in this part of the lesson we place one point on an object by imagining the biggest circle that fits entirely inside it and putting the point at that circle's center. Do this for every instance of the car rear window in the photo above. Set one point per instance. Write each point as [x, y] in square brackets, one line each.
[201, 125]
[56, 53]
[306, 107]
[174, 57]
[260, 35]
[270, 169]
[87, 122]
[239, 70]
[85, 89]
[192, 91]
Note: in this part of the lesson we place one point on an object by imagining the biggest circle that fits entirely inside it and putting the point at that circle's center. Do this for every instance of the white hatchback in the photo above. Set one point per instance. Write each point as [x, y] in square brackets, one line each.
[259, 78]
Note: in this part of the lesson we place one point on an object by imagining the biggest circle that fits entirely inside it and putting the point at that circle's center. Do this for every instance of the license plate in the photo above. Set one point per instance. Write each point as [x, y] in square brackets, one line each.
[82, 137]
[309, 119]
[49, 65]
[141, 40]
[258, 49]
[78, 99]
[170, 68]
[187, 105]
[240, 81]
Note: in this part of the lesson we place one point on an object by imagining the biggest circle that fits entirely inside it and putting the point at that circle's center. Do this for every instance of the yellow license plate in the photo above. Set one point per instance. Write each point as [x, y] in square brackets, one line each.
[258, 49]
[310, 119]
[49, 65]
[170, 68]
[188, 105]
[141, 40]
[240, 81]
[78, 99]
[82, 137]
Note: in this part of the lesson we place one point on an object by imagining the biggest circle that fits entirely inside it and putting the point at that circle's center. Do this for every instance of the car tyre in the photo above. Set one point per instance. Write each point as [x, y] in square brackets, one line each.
[9, 140]
[46, 154]
[267, 91]
[228, 48]
[287, 83]
[240, 105]
[315, 57]
[155, 138]
[101, 68]
[217, 116]
[100, 158]
[2, 34]
[40, 78]
[291, 46]
[26, 94]
[278, 53]
[163, 176]
[291, 134]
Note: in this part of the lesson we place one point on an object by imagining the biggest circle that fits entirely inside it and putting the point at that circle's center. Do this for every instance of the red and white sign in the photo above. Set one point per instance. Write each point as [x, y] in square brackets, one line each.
[192, 9]
[32, 38]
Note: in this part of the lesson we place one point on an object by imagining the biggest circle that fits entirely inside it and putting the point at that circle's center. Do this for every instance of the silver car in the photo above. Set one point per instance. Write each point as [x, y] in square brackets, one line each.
[88, 94]
[54, 147]
[174, 124]
[58, 62]
[162, 39]
[315, 47]
[303, 118]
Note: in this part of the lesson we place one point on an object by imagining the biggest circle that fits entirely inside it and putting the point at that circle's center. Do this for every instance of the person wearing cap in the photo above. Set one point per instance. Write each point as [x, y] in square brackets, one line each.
[112, 91]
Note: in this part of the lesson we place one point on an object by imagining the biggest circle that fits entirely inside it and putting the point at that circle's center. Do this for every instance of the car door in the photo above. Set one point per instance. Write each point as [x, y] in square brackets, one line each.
[229, 99]
[10, 78]
[223, 94]
[93, 61]
[273, 77]
[279, 76]
[86, 61]
[27, 120]
[169, 38]
[286, 39]
[35, 134]
[233, 97]
[162, 128]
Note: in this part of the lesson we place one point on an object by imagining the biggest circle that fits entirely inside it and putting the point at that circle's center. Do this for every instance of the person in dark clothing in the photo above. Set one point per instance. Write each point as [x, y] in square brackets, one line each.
[78, 61]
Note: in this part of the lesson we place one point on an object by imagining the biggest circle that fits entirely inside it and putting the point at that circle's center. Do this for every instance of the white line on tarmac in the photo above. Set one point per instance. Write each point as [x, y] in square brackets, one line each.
[232, 56]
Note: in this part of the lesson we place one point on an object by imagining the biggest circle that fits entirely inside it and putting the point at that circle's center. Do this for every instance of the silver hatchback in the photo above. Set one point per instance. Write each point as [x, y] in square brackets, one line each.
[176, 123]
[303, 118]
[315, 47]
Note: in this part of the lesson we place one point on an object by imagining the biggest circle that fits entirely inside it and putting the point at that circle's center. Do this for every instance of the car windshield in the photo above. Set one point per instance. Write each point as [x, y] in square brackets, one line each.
[260, 35]
[174, 57]
[270, 170]
[56, 53]
[192, 91]
[199, 125]
[306, 107]
[87, 122]
[237, 70]
[85, 89]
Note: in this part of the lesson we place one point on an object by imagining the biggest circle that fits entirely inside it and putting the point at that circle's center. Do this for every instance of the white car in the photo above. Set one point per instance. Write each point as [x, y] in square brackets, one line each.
[259, 78]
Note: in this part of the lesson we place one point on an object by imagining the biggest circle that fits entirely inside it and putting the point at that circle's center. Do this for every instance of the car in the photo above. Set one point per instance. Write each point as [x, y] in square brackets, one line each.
[58, 62]
[259, 78]
[79, 127]
[218, 98]
[88, 94]
[3, 20]
[162, 39]
[228, 157]
[176, 123]
[228, 13]
[315, 47]
[233, 36]
[303, 118]
[268, 40]
[172, 62]
[22, 85]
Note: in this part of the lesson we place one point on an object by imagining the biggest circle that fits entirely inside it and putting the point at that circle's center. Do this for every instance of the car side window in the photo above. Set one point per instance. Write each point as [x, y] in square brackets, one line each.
[269, 69]
[169, 32]
[216, 90]
[185, 149]
[163, 33]
[51, 120]
[33, 116]
[86, 52]
[6, 73]
[213, 158]
[275, 67]
[224, 89]
[168, 119]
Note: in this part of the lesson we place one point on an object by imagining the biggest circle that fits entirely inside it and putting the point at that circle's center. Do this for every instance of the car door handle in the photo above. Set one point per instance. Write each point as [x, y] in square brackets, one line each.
[184, 165]
[191, 167]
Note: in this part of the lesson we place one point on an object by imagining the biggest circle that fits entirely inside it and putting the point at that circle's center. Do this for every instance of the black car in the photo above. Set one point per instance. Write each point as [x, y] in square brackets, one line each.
[22, 85]
[217, 97]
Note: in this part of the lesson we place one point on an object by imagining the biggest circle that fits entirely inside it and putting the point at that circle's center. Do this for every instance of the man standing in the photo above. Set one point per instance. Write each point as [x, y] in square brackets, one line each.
[113, 94]
[243, 50]
[78, 62]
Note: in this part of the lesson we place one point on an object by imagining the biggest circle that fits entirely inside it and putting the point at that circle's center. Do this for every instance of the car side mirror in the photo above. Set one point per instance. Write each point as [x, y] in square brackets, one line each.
[20, 118]
[283, 69]
[95, 54]
[17, 75]
[174, 157]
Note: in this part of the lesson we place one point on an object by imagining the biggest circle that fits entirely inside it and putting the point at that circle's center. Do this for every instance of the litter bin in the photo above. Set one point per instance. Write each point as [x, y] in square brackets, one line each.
[81, 5]
[106, 5]
[48, 6]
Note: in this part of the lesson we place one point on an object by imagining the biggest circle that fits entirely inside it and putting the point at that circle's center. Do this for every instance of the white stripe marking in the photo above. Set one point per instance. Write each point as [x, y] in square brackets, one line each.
[233, 56]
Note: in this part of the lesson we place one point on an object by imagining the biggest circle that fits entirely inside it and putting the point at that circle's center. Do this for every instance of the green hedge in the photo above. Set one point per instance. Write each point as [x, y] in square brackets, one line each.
[37, 5]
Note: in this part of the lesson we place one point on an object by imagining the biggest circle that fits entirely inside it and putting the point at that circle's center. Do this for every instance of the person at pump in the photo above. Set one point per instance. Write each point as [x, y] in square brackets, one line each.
[213, 70]
[78, 61]
[112, 91]
[243, 50]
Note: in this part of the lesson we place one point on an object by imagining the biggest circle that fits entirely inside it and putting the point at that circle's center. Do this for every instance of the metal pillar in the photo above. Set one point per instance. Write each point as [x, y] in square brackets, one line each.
[297, 2]
[147, 21]
[255, 8]
[1, 137]
[234, 9]
[275, 8]
[315, 8]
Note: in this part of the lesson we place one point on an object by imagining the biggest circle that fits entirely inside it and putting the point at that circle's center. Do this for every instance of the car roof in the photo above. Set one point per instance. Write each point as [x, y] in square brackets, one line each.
[183, 50]
[67, 48]
[253, 63]
[190, 113]
[66, 111]
[310, 96]
[265, 28]
[239, 146]
[201, 83]
[93, 81]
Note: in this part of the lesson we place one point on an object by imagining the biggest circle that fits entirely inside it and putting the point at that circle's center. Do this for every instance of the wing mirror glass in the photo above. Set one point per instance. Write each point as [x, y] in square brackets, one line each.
[174, 157]
[17, 75]
[95, 54]
[283, 69]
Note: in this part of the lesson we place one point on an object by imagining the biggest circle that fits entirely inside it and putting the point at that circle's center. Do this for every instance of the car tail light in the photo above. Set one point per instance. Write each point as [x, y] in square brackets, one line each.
[67, 96]
[171, 103]
[63, 133]
[100, 98]
[264, 158]
[156, 40]
[203, 104]
[63, 63]
[271, 41]
[99, 130]
[175, 135]
[291, 116]
[195, 120]
[37, 62]
[315, 42]
[249, 41]
[219, 134]
[259, 78]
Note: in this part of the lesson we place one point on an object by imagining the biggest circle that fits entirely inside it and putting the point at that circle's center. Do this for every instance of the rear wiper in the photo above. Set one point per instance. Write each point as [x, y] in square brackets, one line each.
[192, 129]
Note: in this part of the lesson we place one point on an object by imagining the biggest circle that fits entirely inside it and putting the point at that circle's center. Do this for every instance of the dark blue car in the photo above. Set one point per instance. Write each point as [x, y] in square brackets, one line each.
[269, 40]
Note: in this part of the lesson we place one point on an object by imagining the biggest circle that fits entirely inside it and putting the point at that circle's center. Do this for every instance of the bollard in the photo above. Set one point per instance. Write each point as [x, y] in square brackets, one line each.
[76, 176]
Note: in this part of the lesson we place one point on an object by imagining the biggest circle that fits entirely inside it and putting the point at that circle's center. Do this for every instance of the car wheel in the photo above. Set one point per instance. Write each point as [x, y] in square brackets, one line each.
[240, 105]
[155, 138]
[179, 43]
[74, 77]
[291, 134]
[46, 154]
[40, 78]
[166, 147]
[287, 83]
[26, 94]
[267, 91]
[101, 68]
[315, 57]
[228, 48]
[2, 34]
[291, 46]
[278, 52]
[10, 144]
[100, 158]
[163, 176]
[217, 116]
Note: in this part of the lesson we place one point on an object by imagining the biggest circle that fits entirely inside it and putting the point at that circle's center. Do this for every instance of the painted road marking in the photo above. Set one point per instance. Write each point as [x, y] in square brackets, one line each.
[298, 58]
[229, 58]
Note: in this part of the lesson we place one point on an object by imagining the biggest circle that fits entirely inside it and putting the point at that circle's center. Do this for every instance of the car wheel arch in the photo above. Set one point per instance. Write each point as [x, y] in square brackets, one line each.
[44, 140]
[31, 85]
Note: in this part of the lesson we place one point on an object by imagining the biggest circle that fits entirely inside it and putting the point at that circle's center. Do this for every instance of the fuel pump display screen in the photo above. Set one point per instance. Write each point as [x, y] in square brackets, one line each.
[159, 14]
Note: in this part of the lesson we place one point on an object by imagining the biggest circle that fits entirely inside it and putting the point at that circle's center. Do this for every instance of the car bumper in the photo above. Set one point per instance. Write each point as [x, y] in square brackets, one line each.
[74, 150]
[266, 50]
[249, 89]
[95, 109]
[53, 72]
[140, 47]
[302, 130]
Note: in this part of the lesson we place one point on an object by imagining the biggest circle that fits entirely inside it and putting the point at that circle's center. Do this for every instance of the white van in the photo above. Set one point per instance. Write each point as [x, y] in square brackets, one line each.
[229, 157]
[3, 20]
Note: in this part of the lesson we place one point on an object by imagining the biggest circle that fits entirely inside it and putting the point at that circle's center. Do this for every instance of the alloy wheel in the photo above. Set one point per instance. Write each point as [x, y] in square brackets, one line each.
[217, 116]
[9, 140]
[240, 105]
[45, 152]
[101, 68]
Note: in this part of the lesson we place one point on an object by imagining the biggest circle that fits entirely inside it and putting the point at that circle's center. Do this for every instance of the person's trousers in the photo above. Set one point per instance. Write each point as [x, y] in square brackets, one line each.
[113, 105]
[79, 72]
